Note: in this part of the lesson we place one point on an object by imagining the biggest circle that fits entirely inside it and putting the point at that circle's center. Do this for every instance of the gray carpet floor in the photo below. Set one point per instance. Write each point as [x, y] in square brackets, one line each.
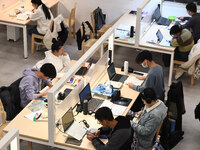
[12, 64]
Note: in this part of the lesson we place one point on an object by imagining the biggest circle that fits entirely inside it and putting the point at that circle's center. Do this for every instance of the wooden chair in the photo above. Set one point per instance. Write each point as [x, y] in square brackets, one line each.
[71, 23]
[4, 124]
[176, 68]
[36, 36]
[102, 30]
[157, 139]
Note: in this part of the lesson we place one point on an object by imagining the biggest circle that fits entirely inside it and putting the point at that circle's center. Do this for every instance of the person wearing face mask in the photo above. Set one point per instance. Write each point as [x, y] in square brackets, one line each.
[154, 78]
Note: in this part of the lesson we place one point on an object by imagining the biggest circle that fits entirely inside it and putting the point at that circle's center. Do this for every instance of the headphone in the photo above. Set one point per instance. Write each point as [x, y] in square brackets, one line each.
[116, 95]
[147, 99]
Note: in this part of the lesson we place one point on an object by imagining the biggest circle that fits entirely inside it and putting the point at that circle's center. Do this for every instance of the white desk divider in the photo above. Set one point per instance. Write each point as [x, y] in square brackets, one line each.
[10, 139]
[109, 35]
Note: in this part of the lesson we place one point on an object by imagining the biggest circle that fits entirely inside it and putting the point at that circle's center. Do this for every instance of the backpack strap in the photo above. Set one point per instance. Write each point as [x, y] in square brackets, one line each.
[89, 25]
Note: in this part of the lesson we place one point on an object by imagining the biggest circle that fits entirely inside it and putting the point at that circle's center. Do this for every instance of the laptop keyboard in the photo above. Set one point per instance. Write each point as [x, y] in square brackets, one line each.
[117, 77]
[93, 104]
[164, 21]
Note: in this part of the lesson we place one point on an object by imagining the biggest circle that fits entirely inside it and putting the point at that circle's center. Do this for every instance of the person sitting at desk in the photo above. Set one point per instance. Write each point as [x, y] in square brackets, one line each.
[154, 78]
[42, 15]
[193, 22]
[118, 130]
[56, 56]
[148, 120]
[30, 84]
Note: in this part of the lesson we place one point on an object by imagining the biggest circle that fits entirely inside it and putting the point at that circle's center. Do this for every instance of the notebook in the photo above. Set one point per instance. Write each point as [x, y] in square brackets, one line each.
[83, 70]
[93, 103]
[163, 41]
[113, 76]
[71, 127]
[160, 20]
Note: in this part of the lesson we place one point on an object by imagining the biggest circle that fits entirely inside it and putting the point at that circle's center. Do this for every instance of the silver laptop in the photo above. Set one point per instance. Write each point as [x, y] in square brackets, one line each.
[71, 127]
[163, 41]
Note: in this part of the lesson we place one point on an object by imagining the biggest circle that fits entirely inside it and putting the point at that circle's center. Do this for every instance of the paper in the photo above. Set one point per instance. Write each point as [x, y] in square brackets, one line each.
[32, 115]
[22, 17]
[36, 106]
[133, 80]
[115, 84]
[44, 89]
[122, 30]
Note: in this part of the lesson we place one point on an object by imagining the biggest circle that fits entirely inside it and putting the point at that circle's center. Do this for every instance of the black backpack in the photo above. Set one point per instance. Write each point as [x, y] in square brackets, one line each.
[10, 97]
[85, 37]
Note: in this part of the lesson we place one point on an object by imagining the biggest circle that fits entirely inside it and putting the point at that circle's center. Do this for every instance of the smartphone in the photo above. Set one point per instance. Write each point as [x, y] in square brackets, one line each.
[136, 115]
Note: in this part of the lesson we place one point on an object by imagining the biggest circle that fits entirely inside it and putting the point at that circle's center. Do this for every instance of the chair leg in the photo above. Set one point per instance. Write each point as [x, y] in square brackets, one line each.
[192, 80]
[74, 32]
[70, 35]
[32, 45]
[29, 145]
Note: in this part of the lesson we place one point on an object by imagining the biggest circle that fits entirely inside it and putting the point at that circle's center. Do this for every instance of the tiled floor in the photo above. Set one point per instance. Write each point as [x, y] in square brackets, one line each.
[12, 64]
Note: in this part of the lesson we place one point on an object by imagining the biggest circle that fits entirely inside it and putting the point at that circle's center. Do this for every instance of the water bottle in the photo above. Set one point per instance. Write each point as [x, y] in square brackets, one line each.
[22, 6]
[85, 107]
[125, 67]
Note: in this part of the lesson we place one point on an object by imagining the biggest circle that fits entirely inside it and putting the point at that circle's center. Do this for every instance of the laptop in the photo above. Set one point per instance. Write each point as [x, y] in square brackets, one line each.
[82, 71]
[93, 103]
[163, 41]
[71, 127]
[113, 76]
[160, 20]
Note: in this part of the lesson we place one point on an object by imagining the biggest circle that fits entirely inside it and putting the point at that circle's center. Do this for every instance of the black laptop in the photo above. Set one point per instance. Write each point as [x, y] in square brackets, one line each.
[93, 103]
[83, 70]
[160, 20]
[113, 76]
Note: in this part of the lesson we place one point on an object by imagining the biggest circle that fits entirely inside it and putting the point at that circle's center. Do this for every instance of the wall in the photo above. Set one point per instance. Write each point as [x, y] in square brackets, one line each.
[112, 8]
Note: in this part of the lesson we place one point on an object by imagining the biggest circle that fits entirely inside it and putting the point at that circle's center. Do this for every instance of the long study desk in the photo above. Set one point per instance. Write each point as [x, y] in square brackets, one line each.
[5, 19]
[38, 131]
[130, 20]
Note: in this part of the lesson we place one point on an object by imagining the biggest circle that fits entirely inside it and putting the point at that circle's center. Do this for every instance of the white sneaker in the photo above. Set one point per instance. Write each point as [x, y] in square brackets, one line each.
[178, 74]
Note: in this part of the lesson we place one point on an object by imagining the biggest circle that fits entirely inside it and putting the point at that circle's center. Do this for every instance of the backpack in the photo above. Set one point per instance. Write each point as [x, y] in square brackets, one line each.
[85, 37]
[10, 97]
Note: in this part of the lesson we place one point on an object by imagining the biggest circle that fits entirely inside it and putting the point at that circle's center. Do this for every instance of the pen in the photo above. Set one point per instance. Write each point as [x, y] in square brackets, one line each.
[38, 116]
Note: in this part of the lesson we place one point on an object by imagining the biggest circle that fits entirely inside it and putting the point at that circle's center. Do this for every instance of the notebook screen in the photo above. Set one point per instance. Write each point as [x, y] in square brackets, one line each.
[67, 119]
[156, 14]
[111, 71]
[85, 93]
[159, 35]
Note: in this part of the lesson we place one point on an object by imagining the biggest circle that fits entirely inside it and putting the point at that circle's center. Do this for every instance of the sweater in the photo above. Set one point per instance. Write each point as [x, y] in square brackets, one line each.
[155, 80]
[43, 24]
[120, 138]
[58, 61]
[147, 125]
[184, 42]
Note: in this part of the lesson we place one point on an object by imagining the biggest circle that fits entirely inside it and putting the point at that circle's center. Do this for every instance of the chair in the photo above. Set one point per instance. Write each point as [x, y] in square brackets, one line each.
[71, 23]
[176, 68]
[102, 30]
[157, 145]
[36, 36]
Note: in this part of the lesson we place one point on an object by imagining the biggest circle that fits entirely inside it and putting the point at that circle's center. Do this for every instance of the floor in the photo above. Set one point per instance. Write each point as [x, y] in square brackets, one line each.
[13, 63]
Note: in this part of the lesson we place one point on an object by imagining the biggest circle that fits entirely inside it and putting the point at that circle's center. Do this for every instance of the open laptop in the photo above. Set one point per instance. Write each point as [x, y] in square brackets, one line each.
[93, 103]
[160, 20]
[82, 71]
[113, 76]
[71, 127]
[163, 41]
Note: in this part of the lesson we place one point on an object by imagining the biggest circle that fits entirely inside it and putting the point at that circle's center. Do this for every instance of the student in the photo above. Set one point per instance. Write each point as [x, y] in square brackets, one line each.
[42, 15]
[30, 84]
[148, 120]
[56, 56]
[183, 41]
[193, 22]
[118, 130]
[154, 78]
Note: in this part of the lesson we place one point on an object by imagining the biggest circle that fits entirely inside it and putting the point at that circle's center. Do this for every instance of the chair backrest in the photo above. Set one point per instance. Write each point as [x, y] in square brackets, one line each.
[93, 22]
[72, 13]
[2, 113]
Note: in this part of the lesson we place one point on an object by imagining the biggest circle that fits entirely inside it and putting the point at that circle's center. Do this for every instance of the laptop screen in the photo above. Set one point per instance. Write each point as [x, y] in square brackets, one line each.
[85, 94]
[67, 119]
[111, 71]
[156, 14]
[159, 35]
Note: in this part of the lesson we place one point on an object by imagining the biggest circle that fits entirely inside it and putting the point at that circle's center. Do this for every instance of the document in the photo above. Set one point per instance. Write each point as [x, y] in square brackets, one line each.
[122, 30]
[133, 80]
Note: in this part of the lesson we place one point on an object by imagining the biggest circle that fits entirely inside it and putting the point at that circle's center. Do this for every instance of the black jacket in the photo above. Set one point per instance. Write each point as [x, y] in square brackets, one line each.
[120, 138]
[99, 18]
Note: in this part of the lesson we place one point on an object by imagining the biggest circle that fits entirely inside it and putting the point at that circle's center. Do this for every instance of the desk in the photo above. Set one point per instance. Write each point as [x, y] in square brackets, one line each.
[38, 131]
[130, 19]
[5, 19]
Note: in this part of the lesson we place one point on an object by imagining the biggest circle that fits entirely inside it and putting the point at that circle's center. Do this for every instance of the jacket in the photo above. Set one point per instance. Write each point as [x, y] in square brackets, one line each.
[58, 61]
[120, 138]
[43, 24]
[10, 97]
[197, 112]
[99, 19]
[29, 86]
[147, 125]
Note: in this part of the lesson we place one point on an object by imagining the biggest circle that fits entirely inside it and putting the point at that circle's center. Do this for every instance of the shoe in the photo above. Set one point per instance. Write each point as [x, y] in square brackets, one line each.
[178, 74]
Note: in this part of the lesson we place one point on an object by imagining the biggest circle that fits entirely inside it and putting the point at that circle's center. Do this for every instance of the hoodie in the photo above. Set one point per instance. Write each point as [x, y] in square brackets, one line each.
[58, 61]
[29, 86]
[120, 138]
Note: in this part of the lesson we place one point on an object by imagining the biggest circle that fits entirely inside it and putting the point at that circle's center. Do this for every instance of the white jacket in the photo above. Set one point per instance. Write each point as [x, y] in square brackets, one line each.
[43, 24]
[58, 61]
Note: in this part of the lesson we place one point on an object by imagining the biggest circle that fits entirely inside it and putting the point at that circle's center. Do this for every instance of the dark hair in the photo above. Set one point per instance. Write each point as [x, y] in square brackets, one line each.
[56, 45]
[142, 56]
[148, 94]
[48, 70]
[191, 7]
[104, 113]
[175, 29]
[44, 7]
